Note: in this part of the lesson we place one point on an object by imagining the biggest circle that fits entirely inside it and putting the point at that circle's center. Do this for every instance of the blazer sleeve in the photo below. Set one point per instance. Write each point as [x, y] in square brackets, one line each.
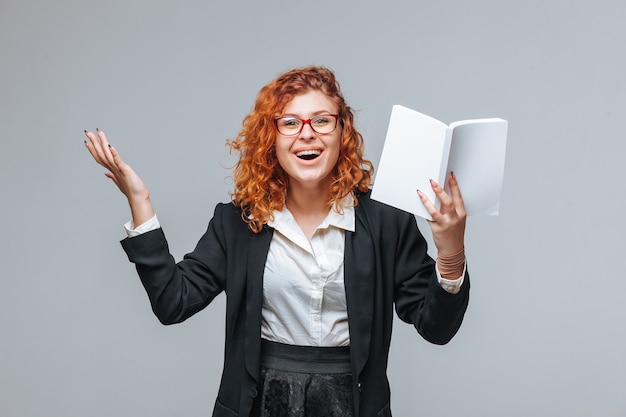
[179, 290]
[419, 298]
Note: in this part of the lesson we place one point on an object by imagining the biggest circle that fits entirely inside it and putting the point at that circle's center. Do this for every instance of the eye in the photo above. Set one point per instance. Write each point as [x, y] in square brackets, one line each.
[320, 120]
[289, 122]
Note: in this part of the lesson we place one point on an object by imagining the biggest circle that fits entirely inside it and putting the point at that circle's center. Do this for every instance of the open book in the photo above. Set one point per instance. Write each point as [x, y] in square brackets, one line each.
[419, 148]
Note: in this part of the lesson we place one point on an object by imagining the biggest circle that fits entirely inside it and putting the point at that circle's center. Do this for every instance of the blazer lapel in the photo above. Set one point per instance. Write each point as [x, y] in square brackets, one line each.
[257, 255]
[359, 282]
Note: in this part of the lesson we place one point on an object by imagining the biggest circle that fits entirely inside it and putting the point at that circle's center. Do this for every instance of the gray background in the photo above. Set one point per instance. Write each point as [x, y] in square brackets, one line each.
[169, 82]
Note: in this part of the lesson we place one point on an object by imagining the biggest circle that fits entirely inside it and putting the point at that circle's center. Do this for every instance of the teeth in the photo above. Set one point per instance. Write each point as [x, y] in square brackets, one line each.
[309, 152]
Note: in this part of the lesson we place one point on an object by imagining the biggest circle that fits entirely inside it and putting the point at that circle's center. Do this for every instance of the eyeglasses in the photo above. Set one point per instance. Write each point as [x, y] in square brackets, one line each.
[322, 124]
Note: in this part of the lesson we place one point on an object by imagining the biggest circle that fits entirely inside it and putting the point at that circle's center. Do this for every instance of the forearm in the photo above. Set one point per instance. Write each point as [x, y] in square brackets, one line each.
[176, 291]
[442, 313]
[141, 210]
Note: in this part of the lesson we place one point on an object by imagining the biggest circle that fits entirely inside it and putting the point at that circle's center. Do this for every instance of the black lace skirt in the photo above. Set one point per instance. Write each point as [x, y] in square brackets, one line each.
[304, 381]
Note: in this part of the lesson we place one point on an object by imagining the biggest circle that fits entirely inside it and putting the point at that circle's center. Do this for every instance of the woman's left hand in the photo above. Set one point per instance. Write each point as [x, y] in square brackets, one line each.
[448, 223]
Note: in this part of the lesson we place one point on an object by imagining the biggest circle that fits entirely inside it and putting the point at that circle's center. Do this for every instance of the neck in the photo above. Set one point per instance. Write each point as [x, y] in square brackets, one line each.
[307, 201]
[309, 206]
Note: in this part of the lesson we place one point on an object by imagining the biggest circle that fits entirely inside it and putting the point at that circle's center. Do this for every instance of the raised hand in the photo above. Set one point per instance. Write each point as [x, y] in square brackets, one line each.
[126, 179]
[448, 223]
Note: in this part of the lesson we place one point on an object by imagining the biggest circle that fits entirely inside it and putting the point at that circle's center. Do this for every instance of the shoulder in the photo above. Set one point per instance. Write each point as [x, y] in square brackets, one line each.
[227, 210]
[228, 216]
[369, 207]
[230, 219]
[382, 221]
[386, 227]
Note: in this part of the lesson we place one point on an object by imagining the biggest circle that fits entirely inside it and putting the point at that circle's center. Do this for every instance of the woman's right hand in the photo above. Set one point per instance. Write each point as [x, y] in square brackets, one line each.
[126, 179]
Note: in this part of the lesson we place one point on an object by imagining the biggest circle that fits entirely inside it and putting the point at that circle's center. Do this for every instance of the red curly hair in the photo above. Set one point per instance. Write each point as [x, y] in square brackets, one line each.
[260, 183]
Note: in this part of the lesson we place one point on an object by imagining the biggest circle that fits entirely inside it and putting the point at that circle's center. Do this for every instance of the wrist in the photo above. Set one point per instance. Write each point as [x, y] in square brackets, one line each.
[141, 209]
[451, 266]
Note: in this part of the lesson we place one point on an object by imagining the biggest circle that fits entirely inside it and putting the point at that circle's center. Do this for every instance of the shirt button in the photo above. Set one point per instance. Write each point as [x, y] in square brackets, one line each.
[358, 386]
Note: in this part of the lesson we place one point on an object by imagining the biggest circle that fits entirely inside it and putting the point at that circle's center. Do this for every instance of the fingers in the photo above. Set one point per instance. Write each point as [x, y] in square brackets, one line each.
[95, 147]
[443, 197]
[91, 145]
[117, 160]
[455, 190]
[112, 178]
[445, 206]
[448, 224]
[106, 148]
[102, 151]
[430, 207]
[451, 204]
[124, 177]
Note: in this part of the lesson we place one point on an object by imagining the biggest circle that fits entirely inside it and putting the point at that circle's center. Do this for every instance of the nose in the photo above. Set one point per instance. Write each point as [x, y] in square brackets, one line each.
[307, 131]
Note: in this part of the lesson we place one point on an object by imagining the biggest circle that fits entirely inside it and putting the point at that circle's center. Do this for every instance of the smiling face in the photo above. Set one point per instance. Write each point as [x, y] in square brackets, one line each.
[309, 158]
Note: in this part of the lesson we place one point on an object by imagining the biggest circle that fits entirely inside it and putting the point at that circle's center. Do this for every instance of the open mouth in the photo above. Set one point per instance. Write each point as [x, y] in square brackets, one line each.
[308, 154]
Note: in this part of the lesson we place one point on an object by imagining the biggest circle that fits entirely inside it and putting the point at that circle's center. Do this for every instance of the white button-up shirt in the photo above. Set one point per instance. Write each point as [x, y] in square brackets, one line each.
[304, 298]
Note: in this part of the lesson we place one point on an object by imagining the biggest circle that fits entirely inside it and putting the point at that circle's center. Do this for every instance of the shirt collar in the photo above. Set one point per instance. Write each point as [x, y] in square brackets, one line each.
[284, 219]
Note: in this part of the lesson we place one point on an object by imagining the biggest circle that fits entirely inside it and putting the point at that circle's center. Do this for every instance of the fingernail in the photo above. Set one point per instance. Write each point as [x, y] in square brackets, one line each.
[97, 130]
[85, 131]
[109, 145]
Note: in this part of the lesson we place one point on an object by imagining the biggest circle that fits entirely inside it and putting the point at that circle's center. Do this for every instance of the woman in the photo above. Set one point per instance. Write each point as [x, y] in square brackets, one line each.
[310, 265]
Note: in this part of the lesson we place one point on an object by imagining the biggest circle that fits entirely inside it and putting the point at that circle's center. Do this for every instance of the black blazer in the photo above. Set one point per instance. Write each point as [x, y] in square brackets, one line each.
[385, 263]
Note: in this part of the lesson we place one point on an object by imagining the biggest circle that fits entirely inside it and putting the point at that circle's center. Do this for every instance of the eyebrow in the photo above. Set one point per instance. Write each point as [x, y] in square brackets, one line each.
[316, 113]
